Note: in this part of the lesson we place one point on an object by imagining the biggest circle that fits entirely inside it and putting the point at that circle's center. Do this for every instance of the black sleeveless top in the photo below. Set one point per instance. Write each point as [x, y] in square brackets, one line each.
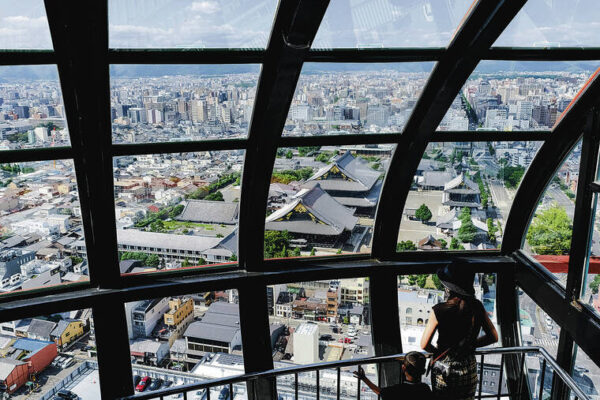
[454, 325]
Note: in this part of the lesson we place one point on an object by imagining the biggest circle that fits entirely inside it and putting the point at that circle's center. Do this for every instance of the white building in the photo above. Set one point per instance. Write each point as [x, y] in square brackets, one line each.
[306, 344]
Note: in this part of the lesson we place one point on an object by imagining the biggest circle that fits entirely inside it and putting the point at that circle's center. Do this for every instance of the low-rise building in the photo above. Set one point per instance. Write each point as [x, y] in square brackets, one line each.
[149, 352]
[40, 329]
[66, 331]
[217, 332]
[415, 306]
[146, 314]
[354, 291]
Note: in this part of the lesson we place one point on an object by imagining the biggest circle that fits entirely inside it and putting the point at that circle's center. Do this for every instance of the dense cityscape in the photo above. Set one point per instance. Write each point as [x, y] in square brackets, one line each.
[181, 210]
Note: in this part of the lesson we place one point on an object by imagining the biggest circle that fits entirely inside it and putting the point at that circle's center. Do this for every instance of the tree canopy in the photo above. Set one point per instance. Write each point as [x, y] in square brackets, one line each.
[406, 245]
[550, 232]
[467, 231]
[277, 244]
[423, 213]
[511, 175]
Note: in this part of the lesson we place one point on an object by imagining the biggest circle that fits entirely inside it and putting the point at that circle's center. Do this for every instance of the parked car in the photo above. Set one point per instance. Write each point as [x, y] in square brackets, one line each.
[66, 394]
[144, 382]
[58, 361]
[67, 363]
[326, 337]
[155, 384]
[167, 384]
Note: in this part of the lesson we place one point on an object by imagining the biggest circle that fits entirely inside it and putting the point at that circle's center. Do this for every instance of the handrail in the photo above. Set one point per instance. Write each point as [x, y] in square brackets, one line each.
[295, 370]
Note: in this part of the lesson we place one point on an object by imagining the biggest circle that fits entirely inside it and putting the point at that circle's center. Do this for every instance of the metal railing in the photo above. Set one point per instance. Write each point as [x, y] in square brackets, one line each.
[227, 383]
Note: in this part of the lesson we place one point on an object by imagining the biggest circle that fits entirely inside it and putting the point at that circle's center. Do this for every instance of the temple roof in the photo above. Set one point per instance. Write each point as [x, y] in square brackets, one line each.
[350, 174]
[462, 185]
[325, 215]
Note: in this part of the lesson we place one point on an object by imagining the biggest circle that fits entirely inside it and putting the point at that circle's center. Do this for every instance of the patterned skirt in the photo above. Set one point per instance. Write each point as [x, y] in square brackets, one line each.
[459, 383]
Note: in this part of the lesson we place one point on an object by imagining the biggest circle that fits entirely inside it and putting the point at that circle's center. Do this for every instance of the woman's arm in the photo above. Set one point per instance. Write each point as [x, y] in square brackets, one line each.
[490, 334]
[428, 334]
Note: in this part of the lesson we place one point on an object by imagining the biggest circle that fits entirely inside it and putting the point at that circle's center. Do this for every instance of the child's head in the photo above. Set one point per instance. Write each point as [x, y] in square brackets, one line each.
[414, 365]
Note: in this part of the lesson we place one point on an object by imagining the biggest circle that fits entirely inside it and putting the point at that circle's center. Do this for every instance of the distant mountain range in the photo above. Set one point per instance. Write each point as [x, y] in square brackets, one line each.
[34, 72]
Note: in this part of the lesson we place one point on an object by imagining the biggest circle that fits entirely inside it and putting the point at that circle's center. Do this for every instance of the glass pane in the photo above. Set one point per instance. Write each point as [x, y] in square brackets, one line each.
[24, 26]
[185, 339]
[177, 210]
[591, 282]
[390, 23]
[337, 99]
[41, 226]
[554, 23]
[586, 374]
[462, 194]
[45, 354]
[417, 294]
[322, 200]
[319, 321]
[162, 103]
[189, 23]
[32, 114]
[548, 238]
[516, 95]
[537, 327]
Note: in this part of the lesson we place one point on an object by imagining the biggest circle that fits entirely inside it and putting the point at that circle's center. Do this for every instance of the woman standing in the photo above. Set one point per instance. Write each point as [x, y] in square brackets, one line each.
[458, 322]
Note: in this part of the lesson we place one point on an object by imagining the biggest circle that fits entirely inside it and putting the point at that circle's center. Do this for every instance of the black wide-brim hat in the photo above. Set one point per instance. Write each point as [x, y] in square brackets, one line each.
[458, 278]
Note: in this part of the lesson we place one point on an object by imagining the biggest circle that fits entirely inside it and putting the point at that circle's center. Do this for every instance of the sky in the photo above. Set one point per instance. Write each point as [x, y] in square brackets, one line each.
[347, 23]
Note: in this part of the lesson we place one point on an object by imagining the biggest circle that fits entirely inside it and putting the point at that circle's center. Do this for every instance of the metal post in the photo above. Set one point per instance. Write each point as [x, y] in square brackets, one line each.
[543, 376]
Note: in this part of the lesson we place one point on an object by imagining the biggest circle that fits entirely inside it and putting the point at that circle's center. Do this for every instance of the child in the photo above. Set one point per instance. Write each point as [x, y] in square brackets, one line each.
[412, 368]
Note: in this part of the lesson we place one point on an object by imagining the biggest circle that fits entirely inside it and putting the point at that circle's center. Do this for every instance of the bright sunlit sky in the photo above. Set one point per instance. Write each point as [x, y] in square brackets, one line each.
[347, 23]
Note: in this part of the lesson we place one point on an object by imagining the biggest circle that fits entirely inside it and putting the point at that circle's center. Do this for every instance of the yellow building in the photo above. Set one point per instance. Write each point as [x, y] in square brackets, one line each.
[66, 331]
[179, 310]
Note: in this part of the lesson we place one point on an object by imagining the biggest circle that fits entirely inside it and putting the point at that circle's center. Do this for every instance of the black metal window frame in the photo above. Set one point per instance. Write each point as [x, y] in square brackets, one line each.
[81, 53]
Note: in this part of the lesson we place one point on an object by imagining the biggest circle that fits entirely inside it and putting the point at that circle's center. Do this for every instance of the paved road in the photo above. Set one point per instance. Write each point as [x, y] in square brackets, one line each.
[501, 198]
[562, 200]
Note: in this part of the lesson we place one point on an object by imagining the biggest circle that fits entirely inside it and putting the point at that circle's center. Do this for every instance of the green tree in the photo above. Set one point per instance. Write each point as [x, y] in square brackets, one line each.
[153, 260]
[436, 281]
[594, 284]
[422, 280]
[406, 245]
[412, 279]
[175, 211]
[276, 243]
[550, 232]
[454, 244]
[492, 229]
[185, 263]
[423, 213]
[511, 175]
[233, 257]
[296, 252]
[216, 196]
[324, 156]
[465, 214]
[157, 226]
[289, 154]
[339, 251]
[76, 260]
[467, 231]
[444, 243]
[312, 251]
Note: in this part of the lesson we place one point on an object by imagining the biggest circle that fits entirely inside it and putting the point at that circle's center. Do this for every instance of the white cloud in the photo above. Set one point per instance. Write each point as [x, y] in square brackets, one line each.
[206, 7]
